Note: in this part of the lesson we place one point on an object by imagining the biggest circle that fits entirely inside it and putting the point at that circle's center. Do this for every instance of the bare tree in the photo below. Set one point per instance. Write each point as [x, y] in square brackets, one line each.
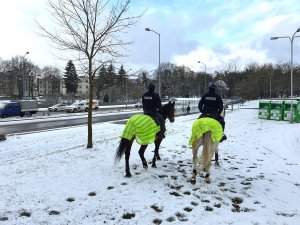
[91, 28]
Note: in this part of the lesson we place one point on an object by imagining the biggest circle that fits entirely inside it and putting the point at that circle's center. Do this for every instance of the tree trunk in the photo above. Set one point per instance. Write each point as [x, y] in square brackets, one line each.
[90, 129]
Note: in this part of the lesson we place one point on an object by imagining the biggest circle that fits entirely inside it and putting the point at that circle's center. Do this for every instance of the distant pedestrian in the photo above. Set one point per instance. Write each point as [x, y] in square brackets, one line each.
[188, 109]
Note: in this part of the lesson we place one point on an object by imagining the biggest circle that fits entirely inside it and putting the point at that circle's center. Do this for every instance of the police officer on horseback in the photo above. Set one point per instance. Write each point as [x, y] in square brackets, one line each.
[152, 107]
[211, 105]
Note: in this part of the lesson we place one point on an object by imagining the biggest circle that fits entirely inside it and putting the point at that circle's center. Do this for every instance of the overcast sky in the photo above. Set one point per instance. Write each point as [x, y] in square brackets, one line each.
[216, 32]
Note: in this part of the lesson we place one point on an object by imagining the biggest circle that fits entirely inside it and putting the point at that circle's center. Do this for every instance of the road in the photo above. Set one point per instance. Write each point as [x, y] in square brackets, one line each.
[31, 124]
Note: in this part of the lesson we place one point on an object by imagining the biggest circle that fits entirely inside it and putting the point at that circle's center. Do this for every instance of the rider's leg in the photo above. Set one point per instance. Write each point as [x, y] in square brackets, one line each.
[222, 122]
[161, 120]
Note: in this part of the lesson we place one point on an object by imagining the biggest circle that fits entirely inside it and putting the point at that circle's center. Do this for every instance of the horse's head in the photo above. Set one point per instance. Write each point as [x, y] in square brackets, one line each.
[168, 111]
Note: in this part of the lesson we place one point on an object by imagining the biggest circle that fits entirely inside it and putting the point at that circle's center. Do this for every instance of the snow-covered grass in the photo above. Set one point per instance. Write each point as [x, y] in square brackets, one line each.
[51, 178]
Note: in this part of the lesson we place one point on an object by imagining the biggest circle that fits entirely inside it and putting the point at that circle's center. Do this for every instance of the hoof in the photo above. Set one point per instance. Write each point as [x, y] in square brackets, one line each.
[193, 181]
[154, 165]
[158, 157]
[128, 175]
[217, 163]
[145, 166]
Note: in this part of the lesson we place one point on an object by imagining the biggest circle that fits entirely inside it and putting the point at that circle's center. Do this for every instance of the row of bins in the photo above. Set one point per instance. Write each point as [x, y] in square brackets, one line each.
[279, 110]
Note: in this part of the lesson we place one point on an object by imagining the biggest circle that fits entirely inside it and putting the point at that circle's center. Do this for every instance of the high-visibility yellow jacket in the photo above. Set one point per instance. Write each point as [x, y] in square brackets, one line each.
[202, 125]
[143, 127]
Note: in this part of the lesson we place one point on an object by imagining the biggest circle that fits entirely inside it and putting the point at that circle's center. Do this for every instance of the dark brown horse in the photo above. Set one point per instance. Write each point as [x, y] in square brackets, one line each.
[144, 130]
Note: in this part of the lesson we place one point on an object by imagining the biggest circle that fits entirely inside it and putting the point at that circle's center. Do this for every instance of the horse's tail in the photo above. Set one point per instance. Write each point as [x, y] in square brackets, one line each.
[121, 149]
[206, 153]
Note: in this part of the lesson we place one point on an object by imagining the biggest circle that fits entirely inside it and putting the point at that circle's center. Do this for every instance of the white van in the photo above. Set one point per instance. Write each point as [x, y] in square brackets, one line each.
[95, 104]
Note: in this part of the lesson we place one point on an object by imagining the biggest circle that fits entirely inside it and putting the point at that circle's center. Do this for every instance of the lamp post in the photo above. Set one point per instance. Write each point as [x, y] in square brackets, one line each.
[25, 83]
[24, 78]
[291, 40]
[204, 76]
[126, 92]
[159, 83]
[270, 85]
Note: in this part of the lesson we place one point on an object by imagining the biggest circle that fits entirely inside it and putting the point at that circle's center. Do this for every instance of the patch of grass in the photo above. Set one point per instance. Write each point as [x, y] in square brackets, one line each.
[25, 213]
[217, 205]
[174, 177]
[188, 209]
[285, 214]
[246, 183]
[187, 192]
[175, 187]
[221, 184]
[181, 216]
[156, 208]
[4, 218]
[194, 203]
[54, 212]
[128, 216]
[70, 199]
[248, 210]
[205, 200]
[110, 187]
[157, 221]
[170, 219]
[208, 208]
[162, 176]
[175, 193]
[92, 193]
[237, 200]
[124, 183]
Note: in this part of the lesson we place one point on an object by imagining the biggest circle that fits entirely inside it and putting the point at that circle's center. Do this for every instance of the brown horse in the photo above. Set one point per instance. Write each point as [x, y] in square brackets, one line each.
[144, 130]
[210, 138]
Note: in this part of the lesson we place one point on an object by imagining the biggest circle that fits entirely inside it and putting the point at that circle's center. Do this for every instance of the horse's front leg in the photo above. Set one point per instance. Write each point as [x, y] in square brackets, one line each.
[127, 156]
[141, 153]
[156, 152]
[195, 148]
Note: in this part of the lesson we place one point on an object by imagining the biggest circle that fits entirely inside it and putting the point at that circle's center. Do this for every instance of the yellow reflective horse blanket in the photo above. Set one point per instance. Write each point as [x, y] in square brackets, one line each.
[202, 125]
[143, 127]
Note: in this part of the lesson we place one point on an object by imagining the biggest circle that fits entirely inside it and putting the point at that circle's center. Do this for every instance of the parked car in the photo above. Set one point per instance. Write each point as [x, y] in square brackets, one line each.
[77, 107]
[95, 103]
[138, 104]
[57, 108]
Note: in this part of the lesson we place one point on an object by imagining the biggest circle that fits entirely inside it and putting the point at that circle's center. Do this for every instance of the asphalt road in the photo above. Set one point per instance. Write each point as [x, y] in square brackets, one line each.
[37, 124]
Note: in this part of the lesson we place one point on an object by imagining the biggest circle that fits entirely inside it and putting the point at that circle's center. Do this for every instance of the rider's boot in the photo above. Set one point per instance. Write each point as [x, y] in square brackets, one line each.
[224, 137]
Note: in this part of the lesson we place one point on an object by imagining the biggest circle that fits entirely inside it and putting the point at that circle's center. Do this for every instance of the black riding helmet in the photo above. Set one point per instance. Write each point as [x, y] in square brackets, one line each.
[151, 87]
[212, 87]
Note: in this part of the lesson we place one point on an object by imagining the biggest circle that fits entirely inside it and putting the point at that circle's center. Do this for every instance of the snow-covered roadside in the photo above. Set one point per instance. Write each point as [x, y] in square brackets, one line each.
[257, 183]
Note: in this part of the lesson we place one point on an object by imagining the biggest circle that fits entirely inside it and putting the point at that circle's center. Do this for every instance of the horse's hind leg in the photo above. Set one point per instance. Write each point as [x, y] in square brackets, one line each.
[141, 153]
[217, 158]
[156, 152]
[195, 148]
[127, 156]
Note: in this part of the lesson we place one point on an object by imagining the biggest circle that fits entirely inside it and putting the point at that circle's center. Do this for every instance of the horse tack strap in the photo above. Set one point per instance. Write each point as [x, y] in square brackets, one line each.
[143, 127]
[202, 125]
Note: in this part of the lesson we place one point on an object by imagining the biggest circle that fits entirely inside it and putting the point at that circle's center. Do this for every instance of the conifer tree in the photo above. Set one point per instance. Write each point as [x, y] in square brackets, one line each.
[71, 78]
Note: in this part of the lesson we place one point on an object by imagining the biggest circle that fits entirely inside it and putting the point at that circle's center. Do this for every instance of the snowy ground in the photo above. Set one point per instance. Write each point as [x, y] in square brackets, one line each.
[51, 178]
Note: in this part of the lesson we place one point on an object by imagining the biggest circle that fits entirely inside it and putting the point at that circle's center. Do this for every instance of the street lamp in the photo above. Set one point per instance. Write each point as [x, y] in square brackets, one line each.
[159, 84]
[291, 40]
[24, 78]
[270, 85]
[126, 77]
[204, 77]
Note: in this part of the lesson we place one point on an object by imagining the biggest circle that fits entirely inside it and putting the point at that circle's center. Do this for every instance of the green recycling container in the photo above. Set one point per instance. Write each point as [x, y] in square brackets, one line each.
[287, 110]
[264, 109]
[276, 109]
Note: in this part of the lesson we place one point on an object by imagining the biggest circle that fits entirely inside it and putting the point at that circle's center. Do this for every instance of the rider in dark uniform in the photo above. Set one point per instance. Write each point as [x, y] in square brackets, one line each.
[152, 107]
[211, 105]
